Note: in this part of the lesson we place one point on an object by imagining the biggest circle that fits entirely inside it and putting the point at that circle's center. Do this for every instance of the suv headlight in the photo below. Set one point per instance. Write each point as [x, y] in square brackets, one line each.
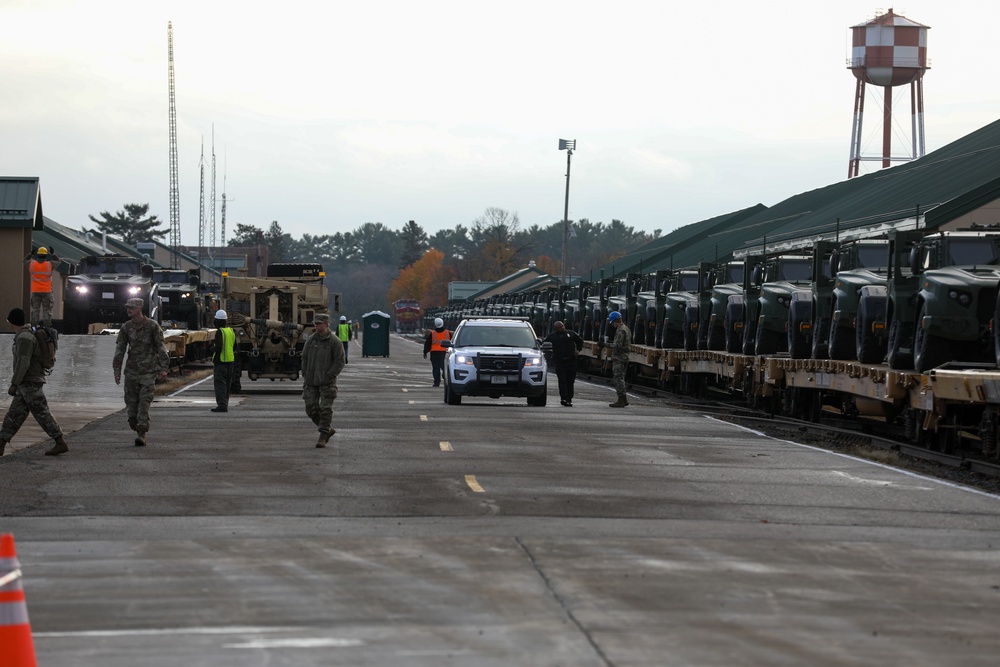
[463, 360]
[533, 361]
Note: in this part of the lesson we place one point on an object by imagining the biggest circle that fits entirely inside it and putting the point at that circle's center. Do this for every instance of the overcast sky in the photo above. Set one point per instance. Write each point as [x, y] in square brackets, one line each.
[328, 115]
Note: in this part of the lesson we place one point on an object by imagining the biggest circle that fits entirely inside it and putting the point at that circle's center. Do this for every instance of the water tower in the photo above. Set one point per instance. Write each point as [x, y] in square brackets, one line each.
[888, 51]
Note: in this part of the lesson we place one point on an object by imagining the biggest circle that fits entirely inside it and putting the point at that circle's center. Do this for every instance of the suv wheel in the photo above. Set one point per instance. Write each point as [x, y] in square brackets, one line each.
[450, 397]
[538, 401]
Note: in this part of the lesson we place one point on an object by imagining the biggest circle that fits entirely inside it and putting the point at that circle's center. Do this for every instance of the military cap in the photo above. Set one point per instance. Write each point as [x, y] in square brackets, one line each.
[134, 303]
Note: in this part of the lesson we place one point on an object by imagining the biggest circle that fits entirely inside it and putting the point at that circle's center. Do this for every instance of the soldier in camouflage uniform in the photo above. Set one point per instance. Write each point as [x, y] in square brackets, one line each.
[26, 388]
[619, 357]
[147, 362]
[322, 360]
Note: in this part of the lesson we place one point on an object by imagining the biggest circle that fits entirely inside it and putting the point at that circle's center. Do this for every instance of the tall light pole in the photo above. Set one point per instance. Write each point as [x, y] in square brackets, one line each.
[568, 145]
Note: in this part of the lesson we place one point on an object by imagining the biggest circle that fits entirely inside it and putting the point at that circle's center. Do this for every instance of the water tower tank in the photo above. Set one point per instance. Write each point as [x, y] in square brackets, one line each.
[888, 51]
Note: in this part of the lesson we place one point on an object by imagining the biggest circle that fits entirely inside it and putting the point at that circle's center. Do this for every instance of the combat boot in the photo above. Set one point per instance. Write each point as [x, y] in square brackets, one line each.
[324, 437]
[60, 447]
[620, 403]
[3, 446]
[140, 439]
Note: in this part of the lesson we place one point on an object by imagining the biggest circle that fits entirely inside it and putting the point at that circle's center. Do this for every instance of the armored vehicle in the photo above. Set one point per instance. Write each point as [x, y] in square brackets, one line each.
[859, 267]
[272, 317]
[98, 291]
[180, 298]
[941, 301]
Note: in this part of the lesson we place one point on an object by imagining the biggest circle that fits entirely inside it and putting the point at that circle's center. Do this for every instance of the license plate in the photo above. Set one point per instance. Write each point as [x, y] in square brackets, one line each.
[498, 379]
[107, 295]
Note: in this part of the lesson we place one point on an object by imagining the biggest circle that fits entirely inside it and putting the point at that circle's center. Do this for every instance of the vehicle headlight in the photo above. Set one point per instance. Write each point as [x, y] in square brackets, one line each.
[81, 289]
[186, 295]
[533, 361]
[962, 298]
[134, 290]
[463, 360]
[783, 301]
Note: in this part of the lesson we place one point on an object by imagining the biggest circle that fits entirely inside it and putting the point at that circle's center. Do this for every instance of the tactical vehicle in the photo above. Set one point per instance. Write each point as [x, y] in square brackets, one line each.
[861, 268]
[766, 316]
[97, 292]
[942, 293]
[726, 280]
[181, 304]
[684, 294]
[272, 317]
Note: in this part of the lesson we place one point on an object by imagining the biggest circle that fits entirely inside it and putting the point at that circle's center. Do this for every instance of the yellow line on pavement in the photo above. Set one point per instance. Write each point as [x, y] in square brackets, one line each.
[473, 484]
[445, 446]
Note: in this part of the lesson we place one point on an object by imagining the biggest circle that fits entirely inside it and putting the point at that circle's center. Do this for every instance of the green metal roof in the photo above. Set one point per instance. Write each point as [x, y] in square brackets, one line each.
[20, 203]
[943, 185]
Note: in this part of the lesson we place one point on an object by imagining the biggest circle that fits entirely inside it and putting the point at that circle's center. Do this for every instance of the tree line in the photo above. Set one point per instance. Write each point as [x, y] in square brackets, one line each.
[374, 265]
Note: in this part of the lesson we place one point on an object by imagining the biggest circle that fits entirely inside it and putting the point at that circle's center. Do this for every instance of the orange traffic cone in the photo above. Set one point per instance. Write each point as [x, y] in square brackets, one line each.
[16, 647]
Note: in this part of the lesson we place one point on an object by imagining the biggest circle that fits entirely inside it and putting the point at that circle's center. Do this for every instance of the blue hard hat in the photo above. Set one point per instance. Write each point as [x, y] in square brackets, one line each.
[614, 316]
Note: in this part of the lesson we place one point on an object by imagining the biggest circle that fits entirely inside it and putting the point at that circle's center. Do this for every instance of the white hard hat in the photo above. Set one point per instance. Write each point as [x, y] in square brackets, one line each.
[438, 323]
[221, 315]
[343, 318]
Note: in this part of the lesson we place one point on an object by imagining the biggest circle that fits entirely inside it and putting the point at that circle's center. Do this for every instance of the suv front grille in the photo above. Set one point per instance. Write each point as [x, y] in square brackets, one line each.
[499, 362]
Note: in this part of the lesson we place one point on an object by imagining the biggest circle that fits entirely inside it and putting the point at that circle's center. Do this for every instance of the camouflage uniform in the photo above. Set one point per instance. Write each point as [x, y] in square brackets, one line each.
[147, 357]
[322, 360]
[27, 382]
[619, 357]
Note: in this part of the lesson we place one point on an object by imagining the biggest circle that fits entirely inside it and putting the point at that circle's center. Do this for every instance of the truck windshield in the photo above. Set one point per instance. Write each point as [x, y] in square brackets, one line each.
[109, 265]
[688, 282]
[972, 252]
[478, 336]
[873, 257]
[795, 270]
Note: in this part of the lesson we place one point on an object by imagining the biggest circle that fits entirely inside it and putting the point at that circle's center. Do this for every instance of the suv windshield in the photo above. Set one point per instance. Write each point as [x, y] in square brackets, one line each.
[494, 336]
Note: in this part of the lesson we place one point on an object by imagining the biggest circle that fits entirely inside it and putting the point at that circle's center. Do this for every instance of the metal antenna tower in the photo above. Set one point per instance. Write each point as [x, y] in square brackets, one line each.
[175, 205]
[201, 210]
[213, 200]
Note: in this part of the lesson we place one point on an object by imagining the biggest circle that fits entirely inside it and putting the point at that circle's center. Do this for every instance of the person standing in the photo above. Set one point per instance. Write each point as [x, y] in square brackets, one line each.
[40, 269]
[345, 334]
[322, 360]
[619, 357]
[432, 346]
[566, 345]
[223, 361]
[26, 384]
[147, 361]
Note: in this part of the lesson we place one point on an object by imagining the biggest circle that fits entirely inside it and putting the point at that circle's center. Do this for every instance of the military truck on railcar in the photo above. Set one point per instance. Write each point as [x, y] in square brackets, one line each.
[273, 315]
[181, 302]
[773, 284]
[682, 293]
[97, 292]
[942, 293]
[726, 280]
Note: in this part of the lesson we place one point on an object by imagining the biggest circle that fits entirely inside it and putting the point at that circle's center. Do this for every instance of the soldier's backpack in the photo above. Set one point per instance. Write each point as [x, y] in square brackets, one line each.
[48, 343]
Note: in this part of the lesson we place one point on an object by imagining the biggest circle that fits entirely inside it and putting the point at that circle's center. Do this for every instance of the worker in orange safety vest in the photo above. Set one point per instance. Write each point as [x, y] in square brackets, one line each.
[41, 266]
[432, 345]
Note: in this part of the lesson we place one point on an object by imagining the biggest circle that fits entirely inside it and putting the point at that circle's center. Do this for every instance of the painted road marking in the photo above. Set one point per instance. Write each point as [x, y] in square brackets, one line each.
[473, 484]
[445, 446]
[405, 390]
[423, 418]
[411, 402]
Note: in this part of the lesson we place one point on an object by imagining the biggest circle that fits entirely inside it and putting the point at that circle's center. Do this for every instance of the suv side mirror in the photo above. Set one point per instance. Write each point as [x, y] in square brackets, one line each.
[445, 343]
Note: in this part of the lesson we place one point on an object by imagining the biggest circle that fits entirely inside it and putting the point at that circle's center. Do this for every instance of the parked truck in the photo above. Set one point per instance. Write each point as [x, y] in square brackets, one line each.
[97, 292]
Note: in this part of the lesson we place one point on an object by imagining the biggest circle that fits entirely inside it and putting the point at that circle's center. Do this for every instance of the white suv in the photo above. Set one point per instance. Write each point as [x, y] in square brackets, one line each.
[494, 356]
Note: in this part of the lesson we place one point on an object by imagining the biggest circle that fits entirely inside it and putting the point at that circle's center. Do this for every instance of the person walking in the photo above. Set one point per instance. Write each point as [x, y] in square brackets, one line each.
[26, 386]
[345, 334]
[147, 361]
[432, 346]
[41, 266]
[223, 361]
[322, 360]
[566, 345]
[619, 357]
